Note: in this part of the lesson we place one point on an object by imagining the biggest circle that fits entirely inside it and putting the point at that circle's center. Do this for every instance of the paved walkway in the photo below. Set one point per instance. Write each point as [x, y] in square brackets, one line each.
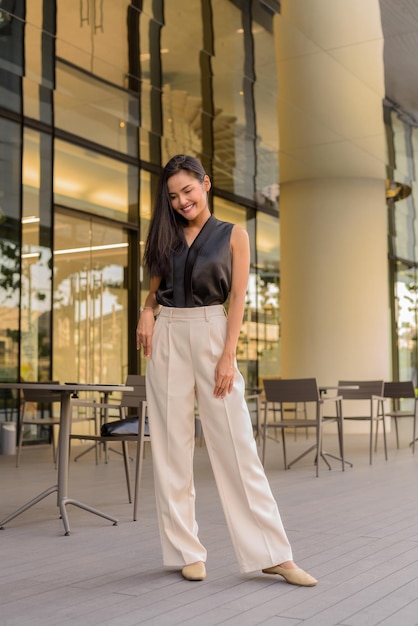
[356, 531]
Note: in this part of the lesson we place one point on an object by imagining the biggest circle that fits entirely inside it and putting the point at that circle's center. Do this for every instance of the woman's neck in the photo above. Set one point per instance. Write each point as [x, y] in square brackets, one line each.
[193, 228]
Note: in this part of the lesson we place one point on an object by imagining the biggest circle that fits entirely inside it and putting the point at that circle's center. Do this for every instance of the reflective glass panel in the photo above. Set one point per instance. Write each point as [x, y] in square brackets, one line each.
[265, 105]
[94, 183]
[95, 110]
[181, 98]
[93, 36]
[147, 181]
[11, 55]
[229, 123]
[151, 24]
[35, 345]
[403, 238]
[10, 199]
[267, 291]
[90, 300]
[406, 308]
[38, 82]
[405, 221]
[33, 69]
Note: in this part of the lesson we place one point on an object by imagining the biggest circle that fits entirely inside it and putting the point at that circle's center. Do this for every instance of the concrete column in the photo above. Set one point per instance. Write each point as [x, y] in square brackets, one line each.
[333, 222]
[334, 280]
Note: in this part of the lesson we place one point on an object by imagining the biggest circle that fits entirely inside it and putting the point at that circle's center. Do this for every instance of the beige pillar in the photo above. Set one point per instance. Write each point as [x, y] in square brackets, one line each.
[334, 279]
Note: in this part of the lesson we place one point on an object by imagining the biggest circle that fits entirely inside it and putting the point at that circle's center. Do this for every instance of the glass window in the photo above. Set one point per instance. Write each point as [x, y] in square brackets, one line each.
[181, 99]
[265, 105]
[12, 55]
[148, 181]
[38, 82]
[95, 110]
[151, 23]
[36, 300]
[233, 146]
[94, 183]
[90, 300]
[406, 309]
[33, 69]
[403, 248]
[10, 200]
[146, 88]
[94, 37]
[404, 214]
[146, 206]
[267, 290]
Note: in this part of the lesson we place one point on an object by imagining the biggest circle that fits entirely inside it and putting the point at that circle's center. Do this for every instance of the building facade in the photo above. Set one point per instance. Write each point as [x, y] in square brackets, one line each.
[96, 95]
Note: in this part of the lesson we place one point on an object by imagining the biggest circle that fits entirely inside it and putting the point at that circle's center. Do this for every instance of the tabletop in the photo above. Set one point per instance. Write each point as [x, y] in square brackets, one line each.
[65, 386]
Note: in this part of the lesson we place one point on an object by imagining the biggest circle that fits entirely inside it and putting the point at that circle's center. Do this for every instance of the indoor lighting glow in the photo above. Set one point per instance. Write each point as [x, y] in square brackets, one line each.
[31, 219]
[145, 56]
[30, 176]
[109, 200]
[111, 246]
[61, 185]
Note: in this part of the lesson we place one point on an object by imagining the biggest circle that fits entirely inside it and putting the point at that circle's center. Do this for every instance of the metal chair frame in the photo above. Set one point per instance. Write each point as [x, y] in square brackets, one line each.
[130, 400]
[279, 392]
[397, 391]
[371, 391]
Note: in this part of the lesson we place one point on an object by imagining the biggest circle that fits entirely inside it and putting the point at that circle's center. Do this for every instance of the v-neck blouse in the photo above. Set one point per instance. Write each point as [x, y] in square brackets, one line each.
[201, 273]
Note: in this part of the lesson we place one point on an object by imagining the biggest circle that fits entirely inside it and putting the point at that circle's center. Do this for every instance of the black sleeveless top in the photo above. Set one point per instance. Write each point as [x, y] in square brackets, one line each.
[201, 274]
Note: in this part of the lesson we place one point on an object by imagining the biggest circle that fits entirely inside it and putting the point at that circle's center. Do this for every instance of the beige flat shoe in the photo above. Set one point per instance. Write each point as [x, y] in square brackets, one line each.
[296, 576]
[195, 571]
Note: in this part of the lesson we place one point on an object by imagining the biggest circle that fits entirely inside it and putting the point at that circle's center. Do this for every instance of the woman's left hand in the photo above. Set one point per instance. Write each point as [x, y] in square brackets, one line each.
[224, 376]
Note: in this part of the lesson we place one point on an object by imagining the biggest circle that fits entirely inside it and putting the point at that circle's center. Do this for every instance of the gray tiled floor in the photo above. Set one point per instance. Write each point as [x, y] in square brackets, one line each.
[356, 531]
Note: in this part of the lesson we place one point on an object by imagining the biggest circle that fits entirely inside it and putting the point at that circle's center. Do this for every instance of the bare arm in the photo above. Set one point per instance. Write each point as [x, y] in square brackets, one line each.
[224, 372]
[146, 321]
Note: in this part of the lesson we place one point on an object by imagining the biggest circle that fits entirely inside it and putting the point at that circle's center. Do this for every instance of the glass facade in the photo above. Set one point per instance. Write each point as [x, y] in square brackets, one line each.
[403, 249]
[90, 299]
[36, 258]
[10, 247]
[94, 99]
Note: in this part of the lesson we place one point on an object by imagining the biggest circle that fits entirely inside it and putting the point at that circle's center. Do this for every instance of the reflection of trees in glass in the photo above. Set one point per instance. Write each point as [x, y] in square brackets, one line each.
[9, 301]
[268, 296]
[406, 303]
[260, 330]
[9, 270]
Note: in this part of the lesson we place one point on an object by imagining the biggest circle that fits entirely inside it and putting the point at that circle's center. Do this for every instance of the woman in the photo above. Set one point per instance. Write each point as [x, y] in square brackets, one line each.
[196, 262]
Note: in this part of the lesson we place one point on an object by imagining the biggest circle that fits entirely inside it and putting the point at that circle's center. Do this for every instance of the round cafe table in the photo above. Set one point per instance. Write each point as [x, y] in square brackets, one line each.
[65, 392]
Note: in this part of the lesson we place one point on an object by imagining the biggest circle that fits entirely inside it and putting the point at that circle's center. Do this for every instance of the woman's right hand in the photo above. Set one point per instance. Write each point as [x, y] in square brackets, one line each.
[145, 328]
[144, 331]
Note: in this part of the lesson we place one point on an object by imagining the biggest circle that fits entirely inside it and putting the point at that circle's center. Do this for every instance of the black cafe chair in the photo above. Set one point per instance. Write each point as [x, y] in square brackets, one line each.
[280, 392]
[127, 428]
[398, 392]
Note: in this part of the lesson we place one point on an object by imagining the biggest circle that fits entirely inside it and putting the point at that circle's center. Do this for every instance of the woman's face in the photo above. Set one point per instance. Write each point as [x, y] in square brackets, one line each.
[188, 195]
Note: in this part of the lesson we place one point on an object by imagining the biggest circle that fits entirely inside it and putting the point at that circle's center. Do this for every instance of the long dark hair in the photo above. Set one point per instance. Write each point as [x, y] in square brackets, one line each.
[166, 233]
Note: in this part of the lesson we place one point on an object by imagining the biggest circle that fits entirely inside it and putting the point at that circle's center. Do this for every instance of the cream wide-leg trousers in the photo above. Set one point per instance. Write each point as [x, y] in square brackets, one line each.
[187, 345]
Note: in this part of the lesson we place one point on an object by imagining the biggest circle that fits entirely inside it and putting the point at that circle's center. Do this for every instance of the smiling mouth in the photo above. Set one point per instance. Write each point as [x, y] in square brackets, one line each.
[187, 208]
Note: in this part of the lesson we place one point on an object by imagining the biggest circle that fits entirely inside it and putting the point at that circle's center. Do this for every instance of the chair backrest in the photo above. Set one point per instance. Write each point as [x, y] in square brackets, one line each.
[364, 390]
[134, 399]
[41, 395]
[399, 389]
[291, 389]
